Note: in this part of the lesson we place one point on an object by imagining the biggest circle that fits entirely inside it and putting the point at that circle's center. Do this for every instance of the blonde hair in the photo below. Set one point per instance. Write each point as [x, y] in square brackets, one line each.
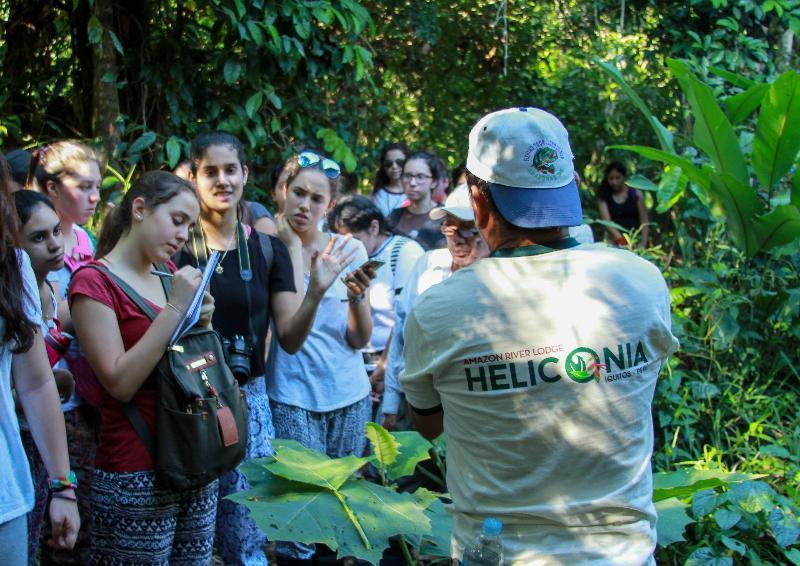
[63, 156]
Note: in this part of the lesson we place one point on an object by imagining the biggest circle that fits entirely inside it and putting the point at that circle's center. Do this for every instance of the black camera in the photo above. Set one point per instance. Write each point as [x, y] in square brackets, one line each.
[237, 354]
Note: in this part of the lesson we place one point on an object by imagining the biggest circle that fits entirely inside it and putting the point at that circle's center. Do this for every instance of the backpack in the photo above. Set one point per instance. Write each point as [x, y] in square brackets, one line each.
[201, 415]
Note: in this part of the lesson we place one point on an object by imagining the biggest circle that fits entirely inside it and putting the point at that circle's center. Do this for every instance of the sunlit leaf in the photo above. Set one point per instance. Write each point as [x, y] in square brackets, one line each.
[777, 141]
[384, 445]
[684, 483]
[713, 132]
[413, 450]
[296, 463]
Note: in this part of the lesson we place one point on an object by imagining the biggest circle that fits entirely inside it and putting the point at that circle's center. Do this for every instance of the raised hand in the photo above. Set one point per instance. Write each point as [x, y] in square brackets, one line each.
[326, 266]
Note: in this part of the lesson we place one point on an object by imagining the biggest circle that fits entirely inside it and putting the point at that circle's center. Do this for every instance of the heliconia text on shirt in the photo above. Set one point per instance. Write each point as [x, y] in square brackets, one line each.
[507, 370]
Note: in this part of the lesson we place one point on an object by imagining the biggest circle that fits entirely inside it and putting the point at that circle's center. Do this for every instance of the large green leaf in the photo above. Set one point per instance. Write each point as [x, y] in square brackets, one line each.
[142, 142]
[384, 446]
[287, 510]
[296, 463]
[741, 206]
[713, 132]
[672, 520]
[663, 135]
[777, 140]
[740, 106]
[733, 78]
[437, 544]
[413, 450]
[642, 183]
[671, 188]
[382, 513]
[686, 482]
[173, 151]
[695, 175]
[779, 227]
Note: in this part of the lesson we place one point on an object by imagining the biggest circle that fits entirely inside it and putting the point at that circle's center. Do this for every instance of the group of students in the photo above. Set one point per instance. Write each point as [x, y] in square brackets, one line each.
[320, 327]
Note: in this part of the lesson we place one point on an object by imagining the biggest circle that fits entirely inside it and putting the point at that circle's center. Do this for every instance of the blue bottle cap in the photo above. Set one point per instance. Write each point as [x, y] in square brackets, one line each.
[492, 526]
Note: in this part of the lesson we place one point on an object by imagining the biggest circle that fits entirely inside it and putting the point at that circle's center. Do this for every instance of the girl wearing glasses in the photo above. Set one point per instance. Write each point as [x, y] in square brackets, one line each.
[387, 190]
[255, 283]
[320, 396]
[420, 178]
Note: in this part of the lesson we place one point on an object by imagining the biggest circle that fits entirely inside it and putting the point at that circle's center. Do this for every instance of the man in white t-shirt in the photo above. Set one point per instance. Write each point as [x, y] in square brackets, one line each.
[464, 246]
[540, 363]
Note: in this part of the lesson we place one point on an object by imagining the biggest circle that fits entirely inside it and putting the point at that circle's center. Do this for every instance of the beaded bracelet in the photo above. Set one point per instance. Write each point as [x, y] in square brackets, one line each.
[63, 483]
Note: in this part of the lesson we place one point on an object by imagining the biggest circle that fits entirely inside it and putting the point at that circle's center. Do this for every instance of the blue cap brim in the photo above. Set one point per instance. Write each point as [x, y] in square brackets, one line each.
[539, 208]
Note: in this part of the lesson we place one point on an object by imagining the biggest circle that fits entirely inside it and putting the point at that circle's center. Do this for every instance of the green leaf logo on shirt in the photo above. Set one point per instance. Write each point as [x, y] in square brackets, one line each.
[582, 369]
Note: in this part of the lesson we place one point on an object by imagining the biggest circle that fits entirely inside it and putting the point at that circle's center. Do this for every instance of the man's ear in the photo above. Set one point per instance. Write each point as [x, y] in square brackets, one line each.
[480, 206]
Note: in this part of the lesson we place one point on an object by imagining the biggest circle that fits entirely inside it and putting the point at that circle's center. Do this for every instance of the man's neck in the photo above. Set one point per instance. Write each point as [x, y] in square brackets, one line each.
[509, 239]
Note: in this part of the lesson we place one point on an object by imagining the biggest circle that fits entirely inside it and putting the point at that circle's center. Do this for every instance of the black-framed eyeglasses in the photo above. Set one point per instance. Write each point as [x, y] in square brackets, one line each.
[328, 166]
[408, 177]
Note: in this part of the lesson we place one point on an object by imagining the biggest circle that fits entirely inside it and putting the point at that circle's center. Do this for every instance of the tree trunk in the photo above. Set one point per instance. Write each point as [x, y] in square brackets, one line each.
[785, 53]
[105, 99]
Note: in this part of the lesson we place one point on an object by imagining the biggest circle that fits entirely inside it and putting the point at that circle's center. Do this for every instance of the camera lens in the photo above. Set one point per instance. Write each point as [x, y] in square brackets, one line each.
[239, 358]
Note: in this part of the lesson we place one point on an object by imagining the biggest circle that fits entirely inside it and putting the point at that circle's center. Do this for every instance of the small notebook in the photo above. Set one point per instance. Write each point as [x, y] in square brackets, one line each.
[193, 314]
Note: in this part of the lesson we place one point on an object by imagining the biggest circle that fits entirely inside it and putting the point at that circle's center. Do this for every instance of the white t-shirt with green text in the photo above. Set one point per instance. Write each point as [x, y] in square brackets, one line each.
[545, 366]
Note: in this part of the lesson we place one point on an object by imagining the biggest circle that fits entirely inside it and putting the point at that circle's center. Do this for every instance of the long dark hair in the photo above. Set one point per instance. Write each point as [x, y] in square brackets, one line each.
[155, 187]
[27, 201]
[381, 178]
[604, 189]
[356, 213]
[18, 328]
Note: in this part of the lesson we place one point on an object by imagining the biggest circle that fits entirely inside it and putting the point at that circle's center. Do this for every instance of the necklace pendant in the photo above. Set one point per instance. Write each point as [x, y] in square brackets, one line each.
[219, 269]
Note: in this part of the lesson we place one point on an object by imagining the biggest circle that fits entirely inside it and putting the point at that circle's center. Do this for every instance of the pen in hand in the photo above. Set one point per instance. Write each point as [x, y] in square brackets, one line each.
[161, 273]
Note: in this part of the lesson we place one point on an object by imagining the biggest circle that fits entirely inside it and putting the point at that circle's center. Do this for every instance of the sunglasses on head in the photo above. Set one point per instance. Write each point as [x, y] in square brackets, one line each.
[328, 166]
[389, 162]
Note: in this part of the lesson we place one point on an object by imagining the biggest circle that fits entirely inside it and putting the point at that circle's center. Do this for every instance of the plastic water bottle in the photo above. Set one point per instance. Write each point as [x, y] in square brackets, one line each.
[486, 549]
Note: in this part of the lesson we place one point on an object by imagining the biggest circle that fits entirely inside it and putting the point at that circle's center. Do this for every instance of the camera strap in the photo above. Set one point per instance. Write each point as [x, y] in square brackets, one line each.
[245, 266]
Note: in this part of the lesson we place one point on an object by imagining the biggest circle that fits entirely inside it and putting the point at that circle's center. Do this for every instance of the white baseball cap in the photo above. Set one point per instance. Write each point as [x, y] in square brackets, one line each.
[458, 204]
[525, 156]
